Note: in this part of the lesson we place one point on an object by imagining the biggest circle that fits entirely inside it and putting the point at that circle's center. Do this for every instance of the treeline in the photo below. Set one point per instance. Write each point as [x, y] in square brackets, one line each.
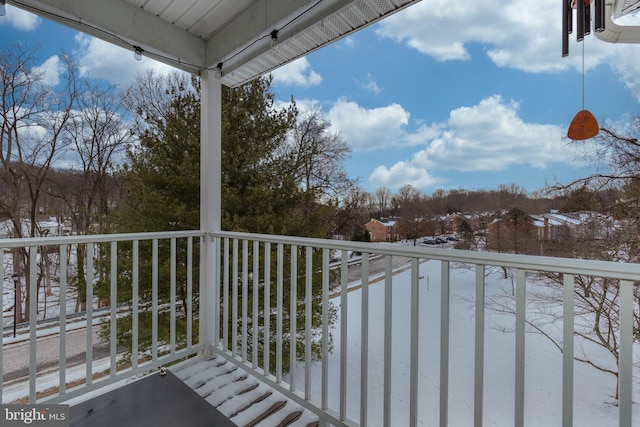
[409, 203]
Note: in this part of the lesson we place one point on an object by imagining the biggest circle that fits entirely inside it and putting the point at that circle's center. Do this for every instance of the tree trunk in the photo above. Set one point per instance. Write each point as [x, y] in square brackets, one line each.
[81, 298]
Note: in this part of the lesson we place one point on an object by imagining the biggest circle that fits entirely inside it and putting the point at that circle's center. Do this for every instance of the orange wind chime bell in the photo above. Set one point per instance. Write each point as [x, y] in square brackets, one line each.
[584, 125]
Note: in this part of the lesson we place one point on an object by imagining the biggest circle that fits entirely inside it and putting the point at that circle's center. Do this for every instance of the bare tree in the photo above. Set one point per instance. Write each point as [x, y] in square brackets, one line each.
[99, 135]
[596, 299]
[319, 153]
[34, 119]
[150, 98]
[406, 197]
[408, 205]
[382, 198]
[615, 153]
[354, 212]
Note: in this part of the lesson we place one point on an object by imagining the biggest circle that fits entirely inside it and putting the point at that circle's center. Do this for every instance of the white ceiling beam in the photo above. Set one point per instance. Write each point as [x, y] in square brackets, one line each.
[234, 44]
[123, 24]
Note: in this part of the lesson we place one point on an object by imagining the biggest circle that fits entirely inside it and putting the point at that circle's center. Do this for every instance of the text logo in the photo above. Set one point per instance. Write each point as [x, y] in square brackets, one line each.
[35, 415]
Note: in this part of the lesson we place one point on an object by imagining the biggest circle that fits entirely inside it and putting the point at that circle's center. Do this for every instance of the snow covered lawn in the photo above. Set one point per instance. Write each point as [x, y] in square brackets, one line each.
[594, 390]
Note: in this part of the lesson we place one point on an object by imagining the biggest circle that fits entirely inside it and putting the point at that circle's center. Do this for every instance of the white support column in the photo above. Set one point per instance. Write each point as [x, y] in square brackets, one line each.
[210, 206]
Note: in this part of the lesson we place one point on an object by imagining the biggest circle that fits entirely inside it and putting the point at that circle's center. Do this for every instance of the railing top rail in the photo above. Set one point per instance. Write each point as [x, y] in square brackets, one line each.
[96, 238]
[617, 270]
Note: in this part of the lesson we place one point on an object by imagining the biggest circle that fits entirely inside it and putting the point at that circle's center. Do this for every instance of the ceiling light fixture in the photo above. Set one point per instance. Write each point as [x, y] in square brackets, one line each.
[218, 70]
[274, 38]
[137, 54]
[3, 9]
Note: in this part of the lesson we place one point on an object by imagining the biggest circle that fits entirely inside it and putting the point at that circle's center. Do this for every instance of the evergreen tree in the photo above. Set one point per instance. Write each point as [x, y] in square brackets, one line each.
[162, 181]
[162, 176]
[467, 237]
[581, 199]
[261, 192]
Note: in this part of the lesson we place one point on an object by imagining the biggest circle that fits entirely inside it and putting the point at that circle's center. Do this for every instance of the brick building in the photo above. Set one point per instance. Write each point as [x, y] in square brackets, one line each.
[383, 230]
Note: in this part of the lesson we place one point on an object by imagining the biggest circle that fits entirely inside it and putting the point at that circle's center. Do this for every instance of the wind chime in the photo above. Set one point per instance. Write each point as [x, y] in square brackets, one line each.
[584, 125]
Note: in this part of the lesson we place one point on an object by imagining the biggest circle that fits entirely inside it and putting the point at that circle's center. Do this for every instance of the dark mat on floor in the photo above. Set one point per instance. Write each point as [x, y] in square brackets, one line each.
[154, 401]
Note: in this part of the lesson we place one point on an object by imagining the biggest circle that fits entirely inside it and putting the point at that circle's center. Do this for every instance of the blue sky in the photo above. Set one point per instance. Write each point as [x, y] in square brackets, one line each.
[446, 94]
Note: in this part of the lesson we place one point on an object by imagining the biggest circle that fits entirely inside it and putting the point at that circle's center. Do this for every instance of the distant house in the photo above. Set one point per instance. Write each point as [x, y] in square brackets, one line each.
[383, 230]
[453, 222]
[580, 223]
[516, 235]
[529, 236]
[450, 223]
[549, 224]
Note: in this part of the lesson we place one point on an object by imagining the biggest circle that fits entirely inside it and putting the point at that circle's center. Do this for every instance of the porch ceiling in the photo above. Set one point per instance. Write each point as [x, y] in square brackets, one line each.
[624, 7]
[197, 34]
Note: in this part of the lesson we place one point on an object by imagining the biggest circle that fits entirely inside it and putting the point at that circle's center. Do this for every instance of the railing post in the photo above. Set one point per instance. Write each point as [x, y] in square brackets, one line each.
[33, 319]
[625, 372]
[521, 293]
[154, 299]
[209, 293]
[414, 350]
[444, 342]
[388, 331]
[567, 349]
[478, 403]
[89, 310]
[364, 341]
[113, 294]
[234, 298]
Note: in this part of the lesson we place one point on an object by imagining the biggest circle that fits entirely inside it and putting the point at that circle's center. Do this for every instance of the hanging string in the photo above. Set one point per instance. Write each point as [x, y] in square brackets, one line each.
[583, 42]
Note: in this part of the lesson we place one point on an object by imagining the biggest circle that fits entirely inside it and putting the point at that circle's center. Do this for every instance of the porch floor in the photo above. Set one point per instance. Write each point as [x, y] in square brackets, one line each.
[196, 392]
[241, 397]
[152, 401]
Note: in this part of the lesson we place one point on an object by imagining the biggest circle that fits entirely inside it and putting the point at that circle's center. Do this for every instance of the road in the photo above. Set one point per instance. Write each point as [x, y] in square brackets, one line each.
[376, 266]
[15, 357]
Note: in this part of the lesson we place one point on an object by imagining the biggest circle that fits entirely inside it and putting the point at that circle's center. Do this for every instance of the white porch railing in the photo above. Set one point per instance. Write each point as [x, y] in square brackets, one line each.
[255, 300]
[277, 290]
[112, 264]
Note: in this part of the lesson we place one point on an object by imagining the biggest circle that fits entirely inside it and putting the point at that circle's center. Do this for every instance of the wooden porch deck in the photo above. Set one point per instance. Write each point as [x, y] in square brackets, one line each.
[236, 398]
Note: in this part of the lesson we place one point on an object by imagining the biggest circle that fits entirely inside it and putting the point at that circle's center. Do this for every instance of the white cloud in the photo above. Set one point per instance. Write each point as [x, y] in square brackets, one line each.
[489, 136]
[99, 59]
[424, 133]
[627, 64]
[297, 73]
[518, 34]
[369, 84]
[50, 71]
[20, 19]
[400, 174]
[369, 129]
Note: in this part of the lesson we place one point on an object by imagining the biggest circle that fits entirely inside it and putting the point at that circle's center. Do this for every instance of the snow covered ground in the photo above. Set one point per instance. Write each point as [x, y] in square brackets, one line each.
[48, 305]
[594, 390]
